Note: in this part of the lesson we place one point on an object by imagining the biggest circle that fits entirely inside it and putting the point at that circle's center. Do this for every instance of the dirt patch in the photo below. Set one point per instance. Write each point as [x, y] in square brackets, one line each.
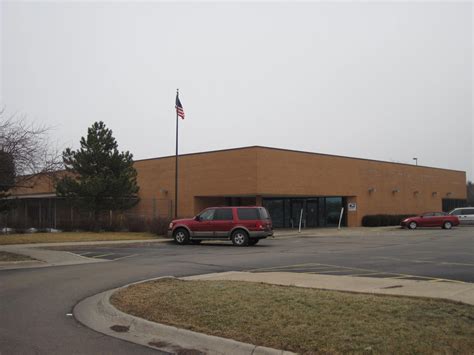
[120, 328]
[159, 344]
[304, 320]
[7, 257]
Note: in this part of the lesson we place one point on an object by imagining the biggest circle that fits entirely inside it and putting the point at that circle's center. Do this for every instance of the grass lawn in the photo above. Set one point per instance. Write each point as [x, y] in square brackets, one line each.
[304, 320]
[6, 256]
[71, 237]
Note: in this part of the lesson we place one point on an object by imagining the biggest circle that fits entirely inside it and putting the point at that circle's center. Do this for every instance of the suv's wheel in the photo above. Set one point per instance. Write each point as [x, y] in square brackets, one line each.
[253, 241]
[181, 236]
[412, 225]
[447, 225]
[240, 238]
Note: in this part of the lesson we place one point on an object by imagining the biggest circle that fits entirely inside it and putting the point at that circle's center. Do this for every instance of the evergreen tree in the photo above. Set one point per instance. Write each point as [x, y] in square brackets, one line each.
[99, 178]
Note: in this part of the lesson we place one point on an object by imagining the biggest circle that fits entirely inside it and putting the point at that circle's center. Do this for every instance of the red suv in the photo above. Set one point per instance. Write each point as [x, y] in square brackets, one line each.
[243, 225]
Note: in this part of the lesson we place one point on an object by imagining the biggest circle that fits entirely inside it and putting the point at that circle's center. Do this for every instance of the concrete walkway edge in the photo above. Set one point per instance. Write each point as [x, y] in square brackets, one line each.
[45, 257]
[97, 313]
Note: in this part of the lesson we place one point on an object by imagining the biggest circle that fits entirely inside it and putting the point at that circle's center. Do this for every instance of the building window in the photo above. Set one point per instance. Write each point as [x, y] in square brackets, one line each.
[317, 211]
[333, 210]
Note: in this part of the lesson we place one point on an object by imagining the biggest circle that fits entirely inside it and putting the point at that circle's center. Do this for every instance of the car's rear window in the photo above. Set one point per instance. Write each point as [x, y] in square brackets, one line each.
[264, 213]
[248, 213]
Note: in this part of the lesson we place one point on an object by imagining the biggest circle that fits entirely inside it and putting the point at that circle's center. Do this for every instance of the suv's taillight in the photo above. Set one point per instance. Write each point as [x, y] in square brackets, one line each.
[260, 225]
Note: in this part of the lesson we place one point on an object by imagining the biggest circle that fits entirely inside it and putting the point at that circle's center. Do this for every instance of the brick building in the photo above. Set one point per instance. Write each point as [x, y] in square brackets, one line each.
[287, 182]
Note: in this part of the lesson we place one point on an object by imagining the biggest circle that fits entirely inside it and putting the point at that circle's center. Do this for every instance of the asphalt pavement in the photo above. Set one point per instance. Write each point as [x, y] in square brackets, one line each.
[37, 302]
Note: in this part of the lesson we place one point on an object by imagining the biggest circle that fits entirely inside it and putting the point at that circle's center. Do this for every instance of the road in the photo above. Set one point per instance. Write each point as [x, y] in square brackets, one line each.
[35, 303]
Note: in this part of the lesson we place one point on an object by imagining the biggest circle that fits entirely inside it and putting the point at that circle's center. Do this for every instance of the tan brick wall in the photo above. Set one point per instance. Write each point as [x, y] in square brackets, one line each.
[34, 185]
[224, 173]
[255, 172]
[289, 173]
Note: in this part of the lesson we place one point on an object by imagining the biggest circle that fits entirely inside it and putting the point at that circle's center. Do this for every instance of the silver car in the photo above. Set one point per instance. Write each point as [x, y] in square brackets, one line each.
[465, 214]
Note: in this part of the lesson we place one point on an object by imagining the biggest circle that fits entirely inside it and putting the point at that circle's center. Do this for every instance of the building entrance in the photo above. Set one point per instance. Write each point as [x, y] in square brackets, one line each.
[312, 213]
[317, 211]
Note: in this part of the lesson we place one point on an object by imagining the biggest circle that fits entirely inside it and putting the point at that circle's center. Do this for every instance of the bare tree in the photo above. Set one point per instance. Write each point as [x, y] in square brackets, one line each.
[25, 151]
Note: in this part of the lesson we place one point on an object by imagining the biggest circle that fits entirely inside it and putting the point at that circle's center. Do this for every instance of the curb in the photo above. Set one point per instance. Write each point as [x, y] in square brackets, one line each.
[97, 313]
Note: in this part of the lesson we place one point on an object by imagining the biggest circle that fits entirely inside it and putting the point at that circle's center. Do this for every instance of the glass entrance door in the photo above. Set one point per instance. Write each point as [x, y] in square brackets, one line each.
[317, 211]
[311, 213]
[296, 207]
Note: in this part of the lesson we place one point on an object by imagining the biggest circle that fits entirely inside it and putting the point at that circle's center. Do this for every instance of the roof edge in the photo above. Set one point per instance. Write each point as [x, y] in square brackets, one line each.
[297, 151]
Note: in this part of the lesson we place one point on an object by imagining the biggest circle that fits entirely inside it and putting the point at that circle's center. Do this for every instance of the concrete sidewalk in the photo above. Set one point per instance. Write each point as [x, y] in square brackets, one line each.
[47, 257]
[333, 231]
[454, 291]
[97, 313]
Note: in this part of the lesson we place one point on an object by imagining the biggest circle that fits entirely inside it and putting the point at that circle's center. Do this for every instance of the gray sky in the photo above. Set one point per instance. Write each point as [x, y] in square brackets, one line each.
[388, 81]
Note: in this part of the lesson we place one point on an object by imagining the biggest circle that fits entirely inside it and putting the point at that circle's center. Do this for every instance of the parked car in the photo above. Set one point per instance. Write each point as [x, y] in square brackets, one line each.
[431, 219]
[242, 225]
[465, 214]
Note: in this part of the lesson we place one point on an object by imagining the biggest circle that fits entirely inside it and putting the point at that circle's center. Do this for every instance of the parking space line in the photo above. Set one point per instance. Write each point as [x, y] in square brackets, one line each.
[425, 261]
[371, 273]
[402, 276]
[457, 264]
[126, 256]
[311, 268]
[324, 272]
[283, 267]
[102, 255]
[406, 260]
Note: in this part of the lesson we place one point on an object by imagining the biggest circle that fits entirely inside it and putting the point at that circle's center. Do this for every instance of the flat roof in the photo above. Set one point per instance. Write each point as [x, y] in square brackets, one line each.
[295, 151]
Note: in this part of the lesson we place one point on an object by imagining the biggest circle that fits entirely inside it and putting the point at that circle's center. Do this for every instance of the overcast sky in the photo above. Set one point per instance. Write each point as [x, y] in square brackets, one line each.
[388, 81]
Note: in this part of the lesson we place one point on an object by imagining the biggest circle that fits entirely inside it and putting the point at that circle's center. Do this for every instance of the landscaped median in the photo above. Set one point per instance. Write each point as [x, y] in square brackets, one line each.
[301, 319]
[64, 237]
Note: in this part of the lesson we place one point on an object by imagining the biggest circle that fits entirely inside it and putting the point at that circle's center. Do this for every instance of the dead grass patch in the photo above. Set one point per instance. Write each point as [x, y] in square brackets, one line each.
[303, 320]
[72, 237]
[7, 256]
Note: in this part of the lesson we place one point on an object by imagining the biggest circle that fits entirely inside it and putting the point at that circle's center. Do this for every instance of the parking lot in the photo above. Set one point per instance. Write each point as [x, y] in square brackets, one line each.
[425, 254]
[436, 255]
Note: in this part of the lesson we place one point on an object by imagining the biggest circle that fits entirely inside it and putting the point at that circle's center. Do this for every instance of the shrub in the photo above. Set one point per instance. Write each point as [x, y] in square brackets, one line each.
[379, 220]
[143, 224]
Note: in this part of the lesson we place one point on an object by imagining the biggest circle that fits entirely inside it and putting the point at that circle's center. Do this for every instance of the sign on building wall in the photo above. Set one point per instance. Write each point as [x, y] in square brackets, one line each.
[352, 206]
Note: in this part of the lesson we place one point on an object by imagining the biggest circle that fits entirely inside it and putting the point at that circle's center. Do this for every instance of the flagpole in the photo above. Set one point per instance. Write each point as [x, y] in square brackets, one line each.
[176, 167]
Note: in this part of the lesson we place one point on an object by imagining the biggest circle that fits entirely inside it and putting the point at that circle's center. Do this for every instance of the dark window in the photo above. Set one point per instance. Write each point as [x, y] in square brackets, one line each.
[223, 214]
[296, 207]
[468, 211]
[456, 212]
[429, 214]
[333, 210]
[276, 210]
[439, 214]
[248, 213]
[450, 204]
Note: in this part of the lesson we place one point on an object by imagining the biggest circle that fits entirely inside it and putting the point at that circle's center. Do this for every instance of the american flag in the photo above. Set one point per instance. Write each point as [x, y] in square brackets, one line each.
[179, 108]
